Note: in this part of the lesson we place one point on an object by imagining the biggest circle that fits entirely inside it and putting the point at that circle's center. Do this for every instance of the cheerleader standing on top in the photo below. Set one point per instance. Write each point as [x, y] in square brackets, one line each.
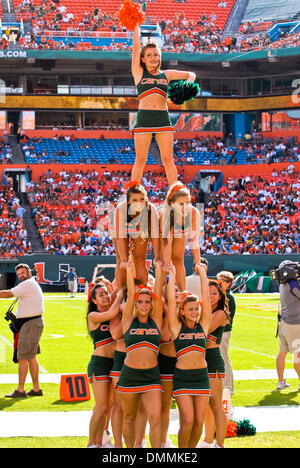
[136, 225]
[153, 116]
[179, 222]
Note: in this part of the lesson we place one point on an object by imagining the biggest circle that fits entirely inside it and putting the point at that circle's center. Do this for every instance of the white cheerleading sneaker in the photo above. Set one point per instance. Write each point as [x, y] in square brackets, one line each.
[204, 444]
[282, 385]
[168, 444]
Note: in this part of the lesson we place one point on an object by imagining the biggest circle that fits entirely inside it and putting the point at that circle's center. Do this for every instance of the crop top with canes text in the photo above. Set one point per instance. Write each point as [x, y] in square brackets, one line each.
[151, 84]
[101, 336]
[140, 225]
[216, 335]
[189, 340]
[142, 335]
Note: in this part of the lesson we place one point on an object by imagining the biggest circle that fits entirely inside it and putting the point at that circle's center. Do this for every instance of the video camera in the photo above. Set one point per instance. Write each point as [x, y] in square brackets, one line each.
[288, 271]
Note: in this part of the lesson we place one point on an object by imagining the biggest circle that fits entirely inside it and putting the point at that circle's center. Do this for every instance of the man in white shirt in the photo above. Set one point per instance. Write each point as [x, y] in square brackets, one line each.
[30, 326]
[192, 282]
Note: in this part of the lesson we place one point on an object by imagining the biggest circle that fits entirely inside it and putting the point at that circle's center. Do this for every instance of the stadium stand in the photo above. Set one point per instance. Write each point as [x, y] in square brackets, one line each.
[81, 150]
[86, 14]
[189, 26]
[6, 155]
[71, 150]
[75, 221]
[247, 209]
[68, 207]
[269, 10]
[248, 215]
[13, 241]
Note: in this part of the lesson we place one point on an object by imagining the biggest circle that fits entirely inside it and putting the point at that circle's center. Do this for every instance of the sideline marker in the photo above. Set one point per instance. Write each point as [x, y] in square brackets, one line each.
[74, 387]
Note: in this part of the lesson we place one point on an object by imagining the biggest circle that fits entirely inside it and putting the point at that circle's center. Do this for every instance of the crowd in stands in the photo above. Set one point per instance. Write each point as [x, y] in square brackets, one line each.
[55, 16]
[248, 215]
[6, 156]
[71, 209]
[213, 150]
[258, 149]
[203, 35]
[254, 215]
[13, 239]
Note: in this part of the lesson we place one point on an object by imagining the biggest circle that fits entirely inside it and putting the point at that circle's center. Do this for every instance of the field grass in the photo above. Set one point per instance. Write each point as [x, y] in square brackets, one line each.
[262, 440]
[247, 393]
[66, 348]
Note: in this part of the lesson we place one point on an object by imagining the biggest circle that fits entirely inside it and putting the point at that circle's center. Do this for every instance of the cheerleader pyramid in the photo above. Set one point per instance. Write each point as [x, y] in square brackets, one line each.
[153, 339]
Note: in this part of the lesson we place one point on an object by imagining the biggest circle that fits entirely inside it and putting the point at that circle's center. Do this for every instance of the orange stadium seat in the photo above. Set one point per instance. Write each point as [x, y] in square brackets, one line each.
[157, 11]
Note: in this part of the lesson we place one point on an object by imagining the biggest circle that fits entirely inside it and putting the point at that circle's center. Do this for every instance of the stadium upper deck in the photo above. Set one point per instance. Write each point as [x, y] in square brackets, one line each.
[156, 11]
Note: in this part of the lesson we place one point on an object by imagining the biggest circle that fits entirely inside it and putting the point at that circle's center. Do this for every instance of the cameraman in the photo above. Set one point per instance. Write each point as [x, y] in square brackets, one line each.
[29, 321]
[289, 326]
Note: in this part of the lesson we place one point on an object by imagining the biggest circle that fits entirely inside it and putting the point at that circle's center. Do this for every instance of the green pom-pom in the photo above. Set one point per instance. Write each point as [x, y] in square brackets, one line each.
[144, 6]
[181, 91]
[244, 428]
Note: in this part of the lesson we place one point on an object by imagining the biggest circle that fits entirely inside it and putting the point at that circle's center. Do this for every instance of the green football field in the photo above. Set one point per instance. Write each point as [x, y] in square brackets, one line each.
[66, 348]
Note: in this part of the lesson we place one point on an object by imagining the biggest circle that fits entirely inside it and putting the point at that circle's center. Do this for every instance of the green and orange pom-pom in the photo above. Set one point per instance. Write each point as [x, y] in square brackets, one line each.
[181, 91]
[245, 428]
[131, 14]
[240, 428]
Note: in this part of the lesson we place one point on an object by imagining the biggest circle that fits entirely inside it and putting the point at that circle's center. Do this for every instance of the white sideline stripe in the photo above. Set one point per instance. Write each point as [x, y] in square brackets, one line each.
[257, 316]
[257, 352]
[42, 369]
[258, 374]
[6, 341]
[76, 423]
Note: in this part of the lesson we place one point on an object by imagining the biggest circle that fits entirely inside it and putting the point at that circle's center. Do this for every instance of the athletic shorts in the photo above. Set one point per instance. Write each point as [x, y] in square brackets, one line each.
[194, 382]
[289, 337]
[215, 363]
[166, 366]
[119, 359]
[100, 368]
[29, 339]
[152, 121]
[139, 380]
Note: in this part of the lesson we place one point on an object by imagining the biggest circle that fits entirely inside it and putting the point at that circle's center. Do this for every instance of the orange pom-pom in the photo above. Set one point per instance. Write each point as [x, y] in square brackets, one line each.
[231, 428]
[130, 15]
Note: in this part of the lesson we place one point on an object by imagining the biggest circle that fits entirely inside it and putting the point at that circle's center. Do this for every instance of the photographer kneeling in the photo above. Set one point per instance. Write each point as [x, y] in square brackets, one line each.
[288, 276]
[29, 323]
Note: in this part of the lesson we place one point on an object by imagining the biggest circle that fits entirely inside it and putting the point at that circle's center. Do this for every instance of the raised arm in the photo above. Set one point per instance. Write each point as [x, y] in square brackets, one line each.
[155, 232]
[206, 314]
[129, 304]
[218, 319]
[195, 234]
[136, 68]
[166, 237]
[99, 317]
[174, 323]
[158, 302]
[121, 235]
[180, 75]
